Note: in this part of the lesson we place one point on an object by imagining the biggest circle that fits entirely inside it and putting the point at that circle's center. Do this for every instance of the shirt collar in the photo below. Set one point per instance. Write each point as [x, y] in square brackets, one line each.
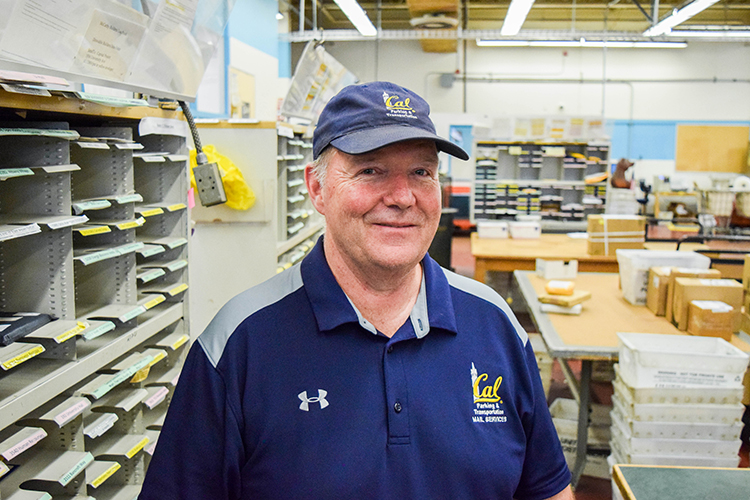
[332, 308]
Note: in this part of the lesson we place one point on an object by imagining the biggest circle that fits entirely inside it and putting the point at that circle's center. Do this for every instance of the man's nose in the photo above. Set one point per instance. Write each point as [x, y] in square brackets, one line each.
[399, 192]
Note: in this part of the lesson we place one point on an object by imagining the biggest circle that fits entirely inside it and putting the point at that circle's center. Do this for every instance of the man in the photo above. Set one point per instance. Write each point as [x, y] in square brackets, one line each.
[367, 371]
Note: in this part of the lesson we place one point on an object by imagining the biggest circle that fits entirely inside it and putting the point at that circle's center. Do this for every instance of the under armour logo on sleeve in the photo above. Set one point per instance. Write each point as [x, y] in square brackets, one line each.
[305, 404]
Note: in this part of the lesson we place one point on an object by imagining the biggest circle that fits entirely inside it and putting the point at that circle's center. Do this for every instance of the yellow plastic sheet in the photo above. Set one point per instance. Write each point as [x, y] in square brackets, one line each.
[239, 195]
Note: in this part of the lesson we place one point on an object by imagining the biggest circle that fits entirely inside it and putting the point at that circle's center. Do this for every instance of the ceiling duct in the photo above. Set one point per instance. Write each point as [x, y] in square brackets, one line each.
[433, 22]
[435, 15]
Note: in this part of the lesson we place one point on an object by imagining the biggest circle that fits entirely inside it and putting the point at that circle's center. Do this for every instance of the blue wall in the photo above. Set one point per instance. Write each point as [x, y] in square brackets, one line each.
[254, 23]
[650, 139]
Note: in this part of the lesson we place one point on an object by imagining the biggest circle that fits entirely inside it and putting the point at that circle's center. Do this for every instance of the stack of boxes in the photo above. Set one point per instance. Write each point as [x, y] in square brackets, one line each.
[677, 401]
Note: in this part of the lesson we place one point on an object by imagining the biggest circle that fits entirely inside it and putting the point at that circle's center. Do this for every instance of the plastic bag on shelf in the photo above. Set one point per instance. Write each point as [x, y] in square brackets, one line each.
[239, 194]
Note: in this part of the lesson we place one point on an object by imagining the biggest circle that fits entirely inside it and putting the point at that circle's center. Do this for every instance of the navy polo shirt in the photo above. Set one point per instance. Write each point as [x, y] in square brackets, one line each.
[290, 393]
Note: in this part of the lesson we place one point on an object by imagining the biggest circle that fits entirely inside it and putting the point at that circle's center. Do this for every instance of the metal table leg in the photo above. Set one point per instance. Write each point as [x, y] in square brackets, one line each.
[584, 400]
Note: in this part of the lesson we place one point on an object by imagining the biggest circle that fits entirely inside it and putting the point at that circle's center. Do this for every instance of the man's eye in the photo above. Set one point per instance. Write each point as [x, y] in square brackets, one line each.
[368, 171]
[422, 172]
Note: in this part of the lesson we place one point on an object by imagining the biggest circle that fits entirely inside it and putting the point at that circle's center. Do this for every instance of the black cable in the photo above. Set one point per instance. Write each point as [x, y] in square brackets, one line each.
[200, 156]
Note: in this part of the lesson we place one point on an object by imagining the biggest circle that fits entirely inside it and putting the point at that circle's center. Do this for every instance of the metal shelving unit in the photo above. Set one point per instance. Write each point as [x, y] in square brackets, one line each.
[549, 179]
[87, 207]
[299, 223]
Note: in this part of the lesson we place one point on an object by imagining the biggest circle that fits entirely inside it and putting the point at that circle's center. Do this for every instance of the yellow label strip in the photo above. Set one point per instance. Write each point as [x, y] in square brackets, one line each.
[155, 301]
[94, 230]
[81, 326]
[105, 475]
[7, 365]
[135, 449]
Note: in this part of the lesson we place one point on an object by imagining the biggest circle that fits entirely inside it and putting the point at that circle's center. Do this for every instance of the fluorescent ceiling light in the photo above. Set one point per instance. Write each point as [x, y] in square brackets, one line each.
[581, 44]
[678, 17]
[515, 16]
[357, 16]
[710, 33]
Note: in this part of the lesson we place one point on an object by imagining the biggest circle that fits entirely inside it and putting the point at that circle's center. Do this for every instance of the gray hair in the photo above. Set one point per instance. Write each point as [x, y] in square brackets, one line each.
[320, 164]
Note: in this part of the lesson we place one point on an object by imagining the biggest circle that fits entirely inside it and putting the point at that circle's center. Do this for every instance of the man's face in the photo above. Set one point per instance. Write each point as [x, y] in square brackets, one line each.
[382, 208]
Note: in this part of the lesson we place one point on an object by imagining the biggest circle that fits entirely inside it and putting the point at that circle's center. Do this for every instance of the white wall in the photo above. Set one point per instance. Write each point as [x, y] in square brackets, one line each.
[679, 87]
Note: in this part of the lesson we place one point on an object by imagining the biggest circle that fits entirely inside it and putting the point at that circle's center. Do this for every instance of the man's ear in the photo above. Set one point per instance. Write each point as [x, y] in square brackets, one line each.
[314, 189]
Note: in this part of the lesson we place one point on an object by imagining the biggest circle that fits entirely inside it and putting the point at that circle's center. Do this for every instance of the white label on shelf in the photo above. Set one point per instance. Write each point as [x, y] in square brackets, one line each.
[4, 469]
[177, 242]
[92, 145]
[129, 198]
[58, 133]
[99, 330]
[174, 266]
[150, 250]
[120, 377]
[157, 398]
[165, 126]
[177, 157]
[151, 158]
[128, 145]
[175, 380]
[18, 231]
[70, 413]
[36, 436]
[150, 448]
[6, 173]
[101, 425]
[129, 247]
[77, 469]
[3, 327]
[98, 256]
[132, 314]
[151, 275]
[82, 206]
[68, 221]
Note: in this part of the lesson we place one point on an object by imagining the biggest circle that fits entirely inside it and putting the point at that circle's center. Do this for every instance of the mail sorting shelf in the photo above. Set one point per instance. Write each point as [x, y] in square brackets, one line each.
[93, 231]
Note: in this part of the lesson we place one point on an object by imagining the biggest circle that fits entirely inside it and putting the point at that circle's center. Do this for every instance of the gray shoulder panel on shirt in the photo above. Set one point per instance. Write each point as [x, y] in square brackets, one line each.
[483, 291]
[216, 335]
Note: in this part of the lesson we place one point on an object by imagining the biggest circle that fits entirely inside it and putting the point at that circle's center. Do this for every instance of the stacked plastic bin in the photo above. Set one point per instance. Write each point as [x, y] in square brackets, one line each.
[677, 401]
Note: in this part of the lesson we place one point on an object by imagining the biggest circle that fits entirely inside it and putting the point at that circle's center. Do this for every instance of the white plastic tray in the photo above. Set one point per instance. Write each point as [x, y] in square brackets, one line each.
[681, 395]
[675, 430]
[679, 361]
[707, 414]
[676, 447]
[622, 457]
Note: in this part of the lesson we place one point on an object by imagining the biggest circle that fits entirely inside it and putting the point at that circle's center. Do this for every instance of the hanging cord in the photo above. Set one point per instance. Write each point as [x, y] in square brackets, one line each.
[200, 156]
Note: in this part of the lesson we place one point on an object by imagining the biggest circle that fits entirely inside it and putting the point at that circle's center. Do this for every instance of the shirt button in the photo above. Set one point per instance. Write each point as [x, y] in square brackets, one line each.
[390, 348]
[397, 407]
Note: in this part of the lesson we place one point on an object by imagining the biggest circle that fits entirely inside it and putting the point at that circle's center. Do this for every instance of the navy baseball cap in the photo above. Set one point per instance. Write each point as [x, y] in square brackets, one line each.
[362, 118]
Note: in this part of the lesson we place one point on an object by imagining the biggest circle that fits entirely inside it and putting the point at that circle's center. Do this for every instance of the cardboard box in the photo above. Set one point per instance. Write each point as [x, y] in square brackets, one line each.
[656, 295]
[711, 318]
[746, 273]
[492, 229]
[634, 266]
[689, 289]
[607, 233]
[685, 272]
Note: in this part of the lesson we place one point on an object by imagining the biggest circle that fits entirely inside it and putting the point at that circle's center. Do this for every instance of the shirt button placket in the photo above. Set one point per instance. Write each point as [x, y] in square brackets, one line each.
[396, 394]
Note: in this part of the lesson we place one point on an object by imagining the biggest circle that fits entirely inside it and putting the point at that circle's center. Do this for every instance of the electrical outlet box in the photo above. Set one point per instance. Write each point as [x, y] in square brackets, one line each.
[208, 181]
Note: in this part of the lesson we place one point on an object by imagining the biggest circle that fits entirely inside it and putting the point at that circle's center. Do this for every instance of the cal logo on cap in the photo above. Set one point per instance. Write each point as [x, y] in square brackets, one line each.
[397, 107]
